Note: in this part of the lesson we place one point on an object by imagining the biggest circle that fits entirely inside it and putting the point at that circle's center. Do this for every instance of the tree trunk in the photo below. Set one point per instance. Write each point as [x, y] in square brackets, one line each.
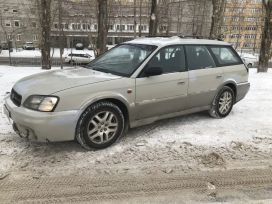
[102, 26]
[218, 13]
[265, 52]
[140, 26]
[61, 32]
[45, 9]
[153, 23]
[135, 22]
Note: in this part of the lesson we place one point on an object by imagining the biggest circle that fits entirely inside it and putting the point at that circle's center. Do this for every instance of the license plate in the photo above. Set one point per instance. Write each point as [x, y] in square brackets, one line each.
[7, 113]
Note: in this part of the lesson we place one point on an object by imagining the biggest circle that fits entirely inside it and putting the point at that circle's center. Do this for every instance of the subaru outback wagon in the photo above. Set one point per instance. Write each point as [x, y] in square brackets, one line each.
[136, 83]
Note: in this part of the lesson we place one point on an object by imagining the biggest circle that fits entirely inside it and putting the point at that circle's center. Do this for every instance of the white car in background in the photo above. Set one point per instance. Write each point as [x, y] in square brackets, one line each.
[78, 58]
[249, 59]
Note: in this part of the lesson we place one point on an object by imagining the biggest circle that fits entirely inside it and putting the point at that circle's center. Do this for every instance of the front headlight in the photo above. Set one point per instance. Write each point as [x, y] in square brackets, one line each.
[41, 103]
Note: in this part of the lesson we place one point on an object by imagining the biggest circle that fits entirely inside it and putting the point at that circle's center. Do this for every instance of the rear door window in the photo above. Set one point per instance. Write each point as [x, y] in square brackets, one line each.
[225, 56]
[198, 57]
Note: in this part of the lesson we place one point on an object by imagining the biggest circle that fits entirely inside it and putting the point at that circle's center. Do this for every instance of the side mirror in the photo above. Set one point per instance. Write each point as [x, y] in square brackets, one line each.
[153, 71]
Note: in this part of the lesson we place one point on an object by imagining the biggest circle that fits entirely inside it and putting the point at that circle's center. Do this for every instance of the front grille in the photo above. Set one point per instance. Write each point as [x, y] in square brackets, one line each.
[15, 97]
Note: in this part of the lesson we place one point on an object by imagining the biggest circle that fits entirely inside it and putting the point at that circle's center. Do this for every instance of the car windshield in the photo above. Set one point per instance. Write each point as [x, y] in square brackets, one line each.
[122, 60]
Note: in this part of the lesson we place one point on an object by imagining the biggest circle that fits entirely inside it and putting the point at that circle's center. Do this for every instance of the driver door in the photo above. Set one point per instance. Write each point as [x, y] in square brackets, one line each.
[165, 93]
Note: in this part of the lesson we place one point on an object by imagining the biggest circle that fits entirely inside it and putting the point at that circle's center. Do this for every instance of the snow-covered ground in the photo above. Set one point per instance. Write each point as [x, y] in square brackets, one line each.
[37, 53]
[185, 143]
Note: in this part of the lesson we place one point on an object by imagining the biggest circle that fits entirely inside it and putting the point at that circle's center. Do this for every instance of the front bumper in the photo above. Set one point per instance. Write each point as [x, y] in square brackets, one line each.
[242, 90]
[41, 126]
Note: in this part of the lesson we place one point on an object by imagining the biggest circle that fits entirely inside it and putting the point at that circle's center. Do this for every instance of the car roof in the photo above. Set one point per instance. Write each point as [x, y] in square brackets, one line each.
[164, 41]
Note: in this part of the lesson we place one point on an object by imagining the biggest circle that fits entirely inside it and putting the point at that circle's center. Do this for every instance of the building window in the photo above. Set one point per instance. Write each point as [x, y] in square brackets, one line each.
[84, 27]
[163, 27]
[249, 45]
[130, 27]
[143, 27]
[251, 19]
[95, 26]
[110, 27]
[74, 26]
[236, 36]
[18, 37]
[9, 37]
[16, 23]
[55, 25]
[7, 24]
[78, 26]
[35, 37]
[66, 26]
[250, 36]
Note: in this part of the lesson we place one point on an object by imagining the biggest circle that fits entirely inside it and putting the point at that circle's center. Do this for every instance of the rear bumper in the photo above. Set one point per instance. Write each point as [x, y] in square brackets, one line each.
[242, 90]
[41, 126]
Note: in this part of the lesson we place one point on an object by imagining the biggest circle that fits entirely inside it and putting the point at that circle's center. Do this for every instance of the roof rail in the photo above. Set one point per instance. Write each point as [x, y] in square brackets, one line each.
[191, 36]
[219, 38]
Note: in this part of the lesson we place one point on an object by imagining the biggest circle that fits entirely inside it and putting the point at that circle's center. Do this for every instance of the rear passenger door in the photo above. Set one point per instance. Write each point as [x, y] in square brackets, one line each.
[204, 76]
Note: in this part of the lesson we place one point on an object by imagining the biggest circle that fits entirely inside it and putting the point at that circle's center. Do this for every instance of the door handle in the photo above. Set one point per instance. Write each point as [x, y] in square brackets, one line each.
[181, 82]
[219, 76]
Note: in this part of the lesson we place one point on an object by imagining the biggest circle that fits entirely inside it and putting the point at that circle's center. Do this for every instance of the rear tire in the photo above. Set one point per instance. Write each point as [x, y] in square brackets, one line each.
[100, 125]
[223, 103]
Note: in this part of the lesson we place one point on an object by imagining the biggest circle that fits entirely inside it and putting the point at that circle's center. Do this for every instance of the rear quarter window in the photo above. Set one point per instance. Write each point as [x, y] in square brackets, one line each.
[225, 55]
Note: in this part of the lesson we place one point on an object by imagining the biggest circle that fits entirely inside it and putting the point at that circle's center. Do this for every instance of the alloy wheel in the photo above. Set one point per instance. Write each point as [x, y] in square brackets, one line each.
[225, 102]
[102, 127]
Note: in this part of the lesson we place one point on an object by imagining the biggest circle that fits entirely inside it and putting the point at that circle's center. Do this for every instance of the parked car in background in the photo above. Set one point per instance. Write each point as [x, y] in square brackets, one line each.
[134, 84]
[79, 46]
[6, 46]
[78, 58]
[29, 46]
[249, 59]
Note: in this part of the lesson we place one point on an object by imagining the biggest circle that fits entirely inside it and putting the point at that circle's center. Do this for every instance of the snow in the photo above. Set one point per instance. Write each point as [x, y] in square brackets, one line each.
[37, 53]
[246, 134]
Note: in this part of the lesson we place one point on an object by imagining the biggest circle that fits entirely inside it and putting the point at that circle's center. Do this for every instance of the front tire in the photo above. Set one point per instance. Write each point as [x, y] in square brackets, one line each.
[223, 103]
[100, 125]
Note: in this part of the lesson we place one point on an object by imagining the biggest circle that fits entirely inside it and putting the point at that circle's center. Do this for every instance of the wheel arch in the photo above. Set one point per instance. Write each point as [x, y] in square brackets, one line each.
[117, 100]
[231, 84]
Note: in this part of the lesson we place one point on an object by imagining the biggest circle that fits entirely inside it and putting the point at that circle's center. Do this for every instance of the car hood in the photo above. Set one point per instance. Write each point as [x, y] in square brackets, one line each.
[51, 82]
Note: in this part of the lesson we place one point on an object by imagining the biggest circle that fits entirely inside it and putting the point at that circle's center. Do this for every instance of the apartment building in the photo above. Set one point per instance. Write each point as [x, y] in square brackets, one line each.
[243, 23]
[20, 21]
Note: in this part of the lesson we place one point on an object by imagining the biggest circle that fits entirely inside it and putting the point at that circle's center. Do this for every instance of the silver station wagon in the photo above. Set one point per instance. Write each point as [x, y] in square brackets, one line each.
[133, 84]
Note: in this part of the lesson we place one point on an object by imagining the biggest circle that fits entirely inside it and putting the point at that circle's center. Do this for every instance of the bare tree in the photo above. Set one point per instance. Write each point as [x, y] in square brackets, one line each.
[265, 52]
[102, 20]
[218, 14]
[153, 23]
[44, 12]
[140, 23]
[61, 32]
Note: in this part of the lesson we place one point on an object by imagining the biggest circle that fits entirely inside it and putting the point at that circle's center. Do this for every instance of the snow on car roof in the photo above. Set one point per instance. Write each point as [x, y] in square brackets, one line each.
[164, 41]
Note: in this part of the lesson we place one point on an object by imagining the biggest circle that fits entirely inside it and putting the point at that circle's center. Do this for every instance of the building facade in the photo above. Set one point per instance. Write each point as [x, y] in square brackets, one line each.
[20, 20]
[243, 23]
